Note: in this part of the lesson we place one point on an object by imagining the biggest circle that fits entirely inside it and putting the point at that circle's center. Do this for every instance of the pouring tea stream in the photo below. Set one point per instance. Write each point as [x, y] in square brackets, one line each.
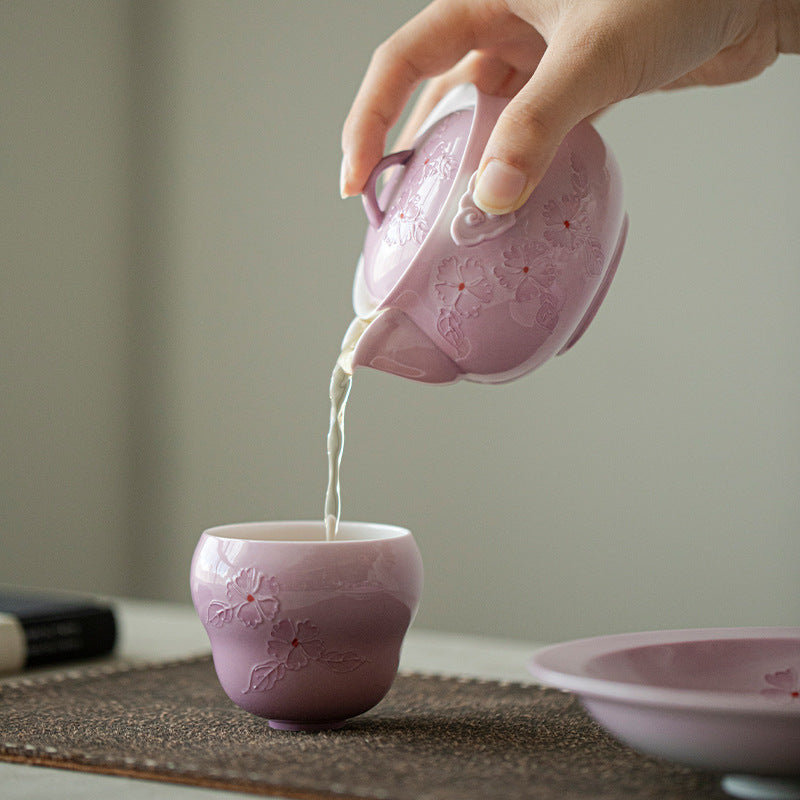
[444, 291]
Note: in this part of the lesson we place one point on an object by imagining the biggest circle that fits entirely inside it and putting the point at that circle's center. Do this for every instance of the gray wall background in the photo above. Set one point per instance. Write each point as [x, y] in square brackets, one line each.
[176, 271]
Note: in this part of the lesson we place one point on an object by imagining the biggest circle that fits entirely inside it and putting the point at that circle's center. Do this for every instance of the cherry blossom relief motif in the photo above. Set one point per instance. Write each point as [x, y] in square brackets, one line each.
[293, 646]
[406, 220]
[251, 598]
[440, 164]
[531, 273]
[463, 288]
[783, 686]
[290, 645]
[568, 224]
[462, 285]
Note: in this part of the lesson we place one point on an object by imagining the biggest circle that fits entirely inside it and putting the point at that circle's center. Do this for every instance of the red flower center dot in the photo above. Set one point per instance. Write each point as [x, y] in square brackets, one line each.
[795, 694]
[526, 270]
[461, 287]
[250, 598]
[295, 642]
[566, 223]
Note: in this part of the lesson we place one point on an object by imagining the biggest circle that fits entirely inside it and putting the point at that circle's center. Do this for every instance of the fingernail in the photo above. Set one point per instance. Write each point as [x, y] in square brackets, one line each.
[499, 187]
[344, 176]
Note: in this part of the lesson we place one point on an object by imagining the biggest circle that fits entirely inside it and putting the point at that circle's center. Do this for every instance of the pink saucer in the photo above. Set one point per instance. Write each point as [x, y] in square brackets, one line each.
[720, 699]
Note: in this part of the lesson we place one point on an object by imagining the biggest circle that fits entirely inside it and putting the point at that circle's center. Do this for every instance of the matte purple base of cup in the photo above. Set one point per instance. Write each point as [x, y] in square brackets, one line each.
[289, 725]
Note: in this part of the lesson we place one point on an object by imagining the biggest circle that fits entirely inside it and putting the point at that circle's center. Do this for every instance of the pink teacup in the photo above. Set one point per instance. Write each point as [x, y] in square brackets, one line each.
[303, 631]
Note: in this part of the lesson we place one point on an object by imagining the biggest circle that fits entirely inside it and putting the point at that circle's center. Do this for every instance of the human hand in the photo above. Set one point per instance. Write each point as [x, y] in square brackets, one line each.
[560, 61]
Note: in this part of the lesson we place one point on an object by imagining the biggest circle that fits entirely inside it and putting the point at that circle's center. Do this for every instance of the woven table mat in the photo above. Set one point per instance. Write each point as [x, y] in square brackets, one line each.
[432, 738]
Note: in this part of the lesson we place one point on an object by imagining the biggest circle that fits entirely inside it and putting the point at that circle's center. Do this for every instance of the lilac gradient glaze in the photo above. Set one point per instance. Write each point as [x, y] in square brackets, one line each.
[721, 699]
[303, 631]
[477, 296]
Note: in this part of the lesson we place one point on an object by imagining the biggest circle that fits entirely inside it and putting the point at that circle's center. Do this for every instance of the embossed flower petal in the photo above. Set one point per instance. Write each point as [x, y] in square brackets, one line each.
[406, 221]
[281, 638]
[463, 285]
[531, 255]
[247, 582]
[514, 261]
[308, 639]
[527, 290]
[251, 601]
[296, 658]
[567, 222]
[448, 293]
[257, 610]
[412, 225]
[280, 650]
[572, 206]
[521, 265]
[283, 631]
[447, 272]
[471, 273]
[547, 277]
[440, 163]
[508, 278]
[249, 614]
[269, 607]
[467, 305]
[294, 645]
[557, 238]
[786, 680]
[470, 299]
[307, 631]
[553, 213]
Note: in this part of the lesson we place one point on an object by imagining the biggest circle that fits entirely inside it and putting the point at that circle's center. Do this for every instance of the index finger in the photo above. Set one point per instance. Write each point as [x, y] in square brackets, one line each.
[430, 43]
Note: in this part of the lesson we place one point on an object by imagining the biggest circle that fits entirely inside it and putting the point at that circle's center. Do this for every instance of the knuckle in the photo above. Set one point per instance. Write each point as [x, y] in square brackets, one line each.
[390, 56]
[598, 54]
[521, 126]
[598, 45]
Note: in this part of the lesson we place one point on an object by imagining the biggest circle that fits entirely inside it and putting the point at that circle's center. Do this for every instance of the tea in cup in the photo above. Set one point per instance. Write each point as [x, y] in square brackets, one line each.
[304, 631]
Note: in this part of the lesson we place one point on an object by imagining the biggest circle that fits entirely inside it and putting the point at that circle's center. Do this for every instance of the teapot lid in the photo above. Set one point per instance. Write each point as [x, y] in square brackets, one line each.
[424, 183]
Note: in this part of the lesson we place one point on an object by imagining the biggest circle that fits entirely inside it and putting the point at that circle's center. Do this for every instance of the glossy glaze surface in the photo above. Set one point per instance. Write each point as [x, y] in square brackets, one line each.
[471, 295]
[725, 699]
[303, 631]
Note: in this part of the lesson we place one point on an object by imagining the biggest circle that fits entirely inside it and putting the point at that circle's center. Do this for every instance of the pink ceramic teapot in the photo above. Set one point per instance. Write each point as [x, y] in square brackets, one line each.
[456, 293]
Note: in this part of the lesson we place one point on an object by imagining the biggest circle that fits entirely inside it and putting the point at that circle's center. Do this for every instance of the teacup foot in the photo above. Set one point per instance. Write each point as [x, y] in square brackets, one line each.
[290, 725]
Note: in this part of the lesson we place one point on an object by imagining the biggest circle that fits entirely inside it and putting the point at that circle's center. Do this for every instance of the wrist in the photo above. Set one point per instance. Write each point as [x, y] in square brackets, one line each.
[788, 25]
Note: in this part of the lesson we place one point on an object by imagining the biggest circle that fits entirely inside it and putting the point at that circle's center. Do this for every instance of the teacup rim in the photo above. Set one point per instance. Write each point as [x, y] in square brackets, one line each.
[307, 532]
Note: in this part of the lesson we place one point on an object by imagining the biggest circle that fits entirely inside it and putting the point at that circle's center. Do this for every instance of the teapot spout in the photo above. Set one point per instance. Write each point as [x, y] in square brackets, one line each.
[393, 343]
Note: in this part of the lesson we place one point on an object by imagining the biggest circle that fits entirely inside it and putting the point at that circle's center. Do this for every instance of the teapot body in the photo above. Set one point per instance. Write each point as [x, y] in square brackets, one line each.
[458, 293]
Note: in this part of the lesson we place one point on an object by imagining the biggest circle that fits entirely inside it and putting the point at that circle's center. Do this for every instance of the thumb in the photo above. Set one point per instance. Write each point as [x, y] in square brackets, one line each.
[570, 83]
